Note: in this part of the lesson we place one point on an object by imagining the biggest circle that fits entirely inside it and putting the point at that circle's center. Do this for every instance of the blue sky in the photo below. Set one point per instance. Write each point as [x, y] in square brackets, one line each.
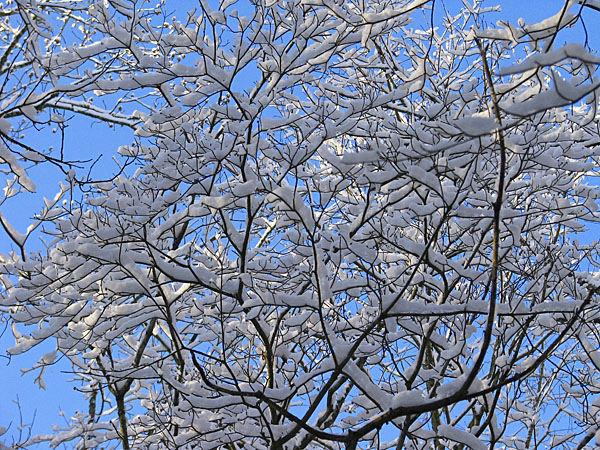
[85, 141]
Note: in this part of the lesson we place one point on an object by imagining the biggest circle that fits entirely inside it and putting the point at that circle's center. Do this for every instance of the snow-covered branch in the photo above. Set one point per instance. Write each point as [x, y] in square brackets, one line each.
[333, 229]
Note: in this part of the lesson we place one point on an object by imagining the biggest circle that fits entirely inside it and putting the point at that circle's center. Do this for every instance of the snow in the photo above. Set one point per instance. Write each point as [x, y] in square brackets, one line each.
[7, 157]
[360, 157]
[476, 125]
[18, 238]
[367, 386]
[450, 388]
[462, 437]
[217, 202]
[340, 180]
[564, 92]
[539, 31]
[5, 126]
[406, 399]
[245, 189]
[57, 118]
[573, 50]
[39, 380]
[288, 199]
[594, 4]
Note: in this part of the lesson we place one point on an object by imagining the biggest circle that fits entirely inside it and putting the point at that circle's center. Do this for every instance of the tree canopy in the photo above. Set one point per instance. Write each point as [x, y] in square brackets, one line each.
[340, 224]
